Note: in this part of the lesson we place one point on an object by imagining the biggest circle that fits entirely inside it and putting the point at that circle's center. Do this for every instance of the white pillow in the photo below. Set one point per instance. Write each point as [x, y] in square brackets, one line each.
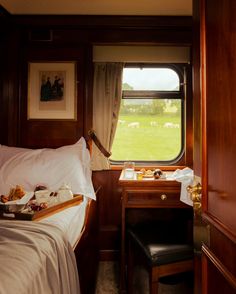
[50, 167]
[7, 152]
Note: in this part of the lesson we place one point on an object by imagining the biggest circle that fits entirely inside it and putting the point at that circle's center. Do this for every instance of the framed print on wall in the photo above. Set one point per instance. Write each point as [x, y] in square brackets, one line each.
[52, 90]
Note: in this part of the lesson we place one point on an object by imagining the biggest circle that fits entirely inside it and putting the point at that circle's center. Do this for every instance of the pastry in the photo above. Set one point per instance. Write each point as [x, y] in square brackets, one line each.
[148, 174]
[16, 193]
[143, 170]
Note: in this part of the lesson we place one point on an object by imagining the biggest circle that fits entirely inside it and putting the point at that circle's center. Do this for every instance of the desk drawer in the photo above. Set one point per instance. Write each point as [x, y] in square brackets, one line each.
[155, 198]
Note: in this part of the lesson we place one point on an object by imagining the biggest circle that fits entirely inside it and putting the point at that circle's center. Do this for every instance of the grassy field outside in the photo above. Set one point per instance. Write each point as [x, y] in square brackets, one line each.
[147, 137]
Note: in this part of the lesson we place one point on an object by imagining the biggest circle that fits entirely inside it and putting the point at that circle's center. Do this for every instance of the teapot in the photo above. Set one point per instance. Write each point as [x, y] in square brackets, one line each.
[64, 193]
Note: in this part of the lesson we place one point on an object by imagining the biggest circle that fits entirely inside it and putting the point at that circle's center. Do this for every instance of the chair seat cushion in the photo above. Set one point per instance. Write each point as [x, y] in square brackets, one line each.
[158, 246]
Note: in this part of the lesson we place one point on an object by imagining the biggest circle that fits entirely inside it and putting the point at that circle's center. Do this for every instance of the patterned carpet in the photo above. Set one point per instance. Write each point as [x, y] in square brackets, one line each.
[108, 281]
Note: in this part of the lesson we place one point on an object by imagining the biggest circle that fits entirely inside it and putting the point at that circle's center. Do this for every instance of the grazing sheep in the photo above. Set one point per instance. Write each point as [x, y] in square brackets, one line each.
[134, 125]
[121, 122]
[168, 125]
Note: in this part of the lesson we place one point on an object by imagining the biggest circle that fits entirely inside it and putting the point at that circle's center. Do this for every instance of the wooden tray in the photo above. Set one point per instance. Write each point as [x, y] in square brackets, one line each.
[37, 215]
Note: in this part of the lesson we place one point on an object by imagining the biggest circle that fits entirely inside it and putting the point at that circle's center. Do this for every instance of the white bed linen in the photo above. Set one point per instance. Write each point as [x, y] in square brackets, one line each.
[36, 258]
[48, 167]
[70, 221]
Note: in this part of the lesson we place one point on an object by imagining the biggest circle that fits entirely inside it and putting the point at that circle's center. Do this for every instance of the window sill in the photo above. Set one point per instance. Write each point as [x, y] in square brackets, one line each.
[164, 168]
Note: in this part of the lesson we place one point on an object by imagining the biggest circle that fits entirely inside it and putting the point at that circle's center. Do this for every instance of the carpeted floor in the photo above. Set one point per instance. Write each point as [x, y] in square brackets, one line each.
[108, 281]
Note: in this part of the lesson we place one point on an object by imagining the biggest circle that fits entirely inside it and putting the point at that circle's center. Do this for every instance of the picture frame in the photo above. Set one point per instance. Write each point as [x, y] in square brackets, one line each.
[52, 90]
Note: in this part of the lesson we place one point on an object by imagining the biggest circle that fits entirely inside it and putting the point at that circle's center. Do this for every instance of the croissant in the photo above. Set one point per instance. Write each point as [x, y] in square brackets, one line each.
[16, 193]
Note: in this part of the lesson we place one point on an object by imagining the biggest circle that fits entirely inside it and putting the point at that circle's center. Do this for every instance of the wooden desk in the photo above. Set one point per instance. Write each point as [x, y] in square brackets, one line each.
[145, 193]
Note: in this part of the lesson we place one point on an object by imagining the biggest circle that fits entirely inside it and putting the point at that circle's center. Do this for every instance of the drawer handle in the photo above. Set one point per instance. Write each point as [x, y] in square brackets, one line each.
[163, 197]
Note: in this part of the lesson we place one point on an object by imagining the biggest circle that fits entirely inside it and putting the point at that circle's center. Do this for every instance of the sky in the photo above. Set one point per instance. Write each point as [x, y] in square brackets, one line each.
[151, 78]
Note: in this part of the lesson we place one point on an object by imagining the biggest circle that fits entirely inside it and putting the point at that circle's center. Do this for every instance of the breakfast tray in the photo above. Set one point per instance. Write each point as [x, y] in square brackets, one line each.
[37, 215]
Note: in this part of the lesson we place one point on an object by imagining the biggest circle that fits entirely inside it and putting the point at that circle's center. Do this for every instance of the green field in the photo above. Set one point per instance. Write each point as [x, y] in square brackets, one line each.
[155, 142]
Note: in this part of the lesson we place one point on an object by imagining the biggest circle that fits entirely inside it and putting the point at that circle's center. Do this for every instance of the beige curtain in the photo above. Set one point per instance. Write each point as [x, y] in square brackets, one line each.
[107, 93]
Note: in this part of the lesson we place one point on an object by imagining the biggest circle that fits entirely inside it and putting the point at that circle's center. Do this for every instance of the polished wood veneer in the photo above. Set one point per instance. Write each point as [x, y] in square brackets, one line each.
[72, 38]
[218, 157]
[145, 194]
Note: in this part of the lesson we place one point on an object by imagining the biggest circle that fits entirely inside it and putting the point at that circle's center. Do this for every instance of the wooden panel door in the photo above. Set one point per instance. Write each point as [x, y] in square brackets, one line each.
[218, 67]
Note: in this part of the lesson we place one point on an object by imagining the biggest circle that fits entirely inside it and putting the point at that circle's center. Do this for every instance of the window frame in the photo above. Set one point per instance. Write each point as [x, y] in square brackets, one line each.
[184, 94]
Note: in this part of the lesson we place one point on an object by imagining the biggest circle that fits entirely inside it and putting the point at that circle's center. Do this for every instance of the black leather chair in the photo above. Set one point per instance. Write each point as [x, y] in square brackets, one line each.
[163, 250]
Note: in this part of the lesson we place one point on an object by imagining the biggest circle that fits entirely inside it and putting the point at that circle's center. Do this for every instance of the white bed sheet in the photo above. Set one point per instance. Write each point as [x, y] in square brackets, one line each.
[70, 221]
[36, 258]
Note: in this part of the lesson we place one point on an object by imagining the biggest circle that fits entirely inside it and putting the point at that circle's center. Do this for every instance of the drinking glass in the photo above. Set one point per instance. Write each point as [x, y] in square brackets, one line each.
[129, 169]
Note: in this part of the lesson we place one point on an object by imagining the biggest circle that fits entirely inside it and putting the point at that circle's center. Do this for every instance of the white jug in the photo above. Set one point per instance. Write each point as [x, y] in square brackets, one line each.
[64, 193]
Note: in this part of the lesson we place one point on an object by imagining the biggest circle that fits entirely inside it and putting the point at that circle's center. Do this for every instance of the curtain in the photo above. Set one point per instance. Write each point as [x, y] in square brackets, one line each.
[107, 93]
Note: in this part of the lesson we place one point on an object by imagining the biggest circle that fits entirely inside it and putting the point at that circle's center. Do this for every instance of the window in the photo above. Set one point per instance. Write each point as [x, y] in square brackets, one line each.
[151, 123]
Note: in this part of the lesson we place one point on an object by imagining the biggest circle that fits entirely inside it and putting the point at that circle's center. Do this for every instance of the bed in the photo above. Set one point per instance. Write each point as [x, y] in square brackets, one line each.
[58, 253]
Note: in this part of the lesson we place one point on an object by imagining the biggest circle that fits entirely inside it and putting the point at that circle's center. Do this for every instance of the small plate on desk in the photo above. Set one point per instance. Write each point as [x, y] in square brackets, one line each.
[148, 176]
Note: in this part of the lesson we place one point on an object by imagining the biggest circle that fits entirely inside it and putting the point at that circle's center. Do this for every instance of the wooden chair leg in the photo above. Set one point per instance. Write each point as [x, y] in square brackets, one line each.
[153, 282]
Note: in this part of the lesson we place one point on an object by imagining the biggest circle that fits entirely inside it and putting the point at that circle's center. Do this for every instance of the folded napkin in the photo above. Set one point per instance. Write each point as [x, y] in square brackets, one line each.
[186, 177]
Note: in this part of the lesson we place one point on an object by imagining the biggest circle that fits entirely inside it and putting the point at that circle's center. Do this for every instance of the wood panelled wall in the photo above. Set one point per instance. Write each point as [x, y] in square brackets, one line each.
[218, 68]
[72, 39]
[59, 132]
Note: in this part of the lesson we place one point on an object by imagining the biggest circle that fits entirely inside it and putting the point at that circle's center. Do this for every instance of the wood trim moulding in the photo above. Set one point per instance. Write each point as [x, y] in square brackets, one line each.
[210, 219]
[219, 265]
[152, 167]
[42, 35]
[108, 255]
[106, 21]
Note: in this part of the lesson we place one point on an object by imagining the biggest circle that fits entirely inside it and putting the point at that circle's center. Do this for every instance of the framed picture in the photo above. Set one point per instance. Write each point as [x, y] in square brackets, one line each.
[52, 90]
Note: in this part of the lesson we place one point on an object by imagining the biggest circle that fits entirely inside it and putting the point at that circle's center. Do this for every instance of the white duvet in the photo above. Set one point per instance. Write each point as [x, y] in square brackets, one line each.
[36, 258]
